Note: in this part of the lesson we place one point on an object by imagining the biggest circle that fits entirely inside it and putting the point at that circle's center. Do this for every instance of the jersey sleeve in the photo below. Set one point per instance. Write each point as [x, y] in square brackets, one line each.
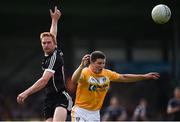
[108, 110]
[172, 103]
[54, 63]
[113, 76]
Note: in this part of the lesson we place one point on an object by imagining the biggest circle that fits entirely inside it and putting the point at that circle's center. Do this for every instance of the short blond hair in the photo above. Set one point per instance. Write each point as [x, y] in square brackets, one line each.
[48, 34]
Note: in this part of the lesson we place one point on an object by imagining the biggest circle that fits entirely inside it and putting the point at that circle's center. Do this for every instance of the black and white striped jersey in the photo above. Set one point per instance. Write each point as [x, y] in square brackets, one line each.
[54, 63]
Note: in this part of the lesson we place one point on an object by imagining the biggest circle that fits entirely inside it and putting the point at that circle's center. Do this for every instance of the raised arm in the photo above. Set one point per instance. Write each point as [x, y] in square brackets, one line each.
[77, 74]
[138, 77]
[54, 23]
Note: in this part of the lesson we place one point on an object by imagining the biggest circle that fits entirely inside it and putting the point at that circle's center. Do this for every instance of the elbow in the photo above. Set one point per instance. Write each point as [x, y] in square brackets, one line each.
[124, 78]
[169, 111]
[73, 80]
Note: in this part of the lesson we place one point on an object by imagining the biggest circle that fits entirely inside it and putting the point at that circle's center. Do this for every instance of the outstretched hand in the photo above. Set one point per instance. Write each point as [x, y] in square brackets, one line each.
[56, 14]
[152, 75]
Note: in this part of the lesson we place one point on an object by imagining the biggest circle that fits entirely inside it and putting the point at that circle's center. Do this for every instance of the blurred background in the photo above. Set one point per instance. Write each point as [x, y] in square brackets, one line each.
[122, 29]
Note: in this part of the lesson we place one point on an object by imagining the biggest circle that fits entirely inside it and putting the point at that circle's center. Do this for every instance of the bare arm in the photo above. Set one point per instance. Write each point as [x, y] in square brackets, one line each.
[137, 77]
[106, 117]
[77, 74]
[54, 23]
[171, 109]
[37, 86]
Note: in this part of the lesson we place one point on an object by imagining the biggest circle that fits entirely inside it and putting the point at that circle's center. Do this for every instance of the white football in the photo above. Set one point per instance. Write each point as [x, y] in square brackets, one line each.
[161, 14]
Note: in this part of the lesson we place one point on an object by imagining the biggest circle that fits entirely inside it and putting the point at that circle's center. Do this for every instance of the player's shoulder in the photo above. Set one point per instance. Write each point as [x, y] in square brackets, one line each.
[110, 73]
[85, 70]
[59, 52]
[172, 100]
[107, 71]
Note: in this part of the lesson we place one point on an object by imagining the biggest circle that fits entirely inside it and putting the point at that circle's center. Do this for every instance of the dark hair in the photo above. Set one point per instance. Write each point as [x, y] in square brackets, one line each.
[96, 55]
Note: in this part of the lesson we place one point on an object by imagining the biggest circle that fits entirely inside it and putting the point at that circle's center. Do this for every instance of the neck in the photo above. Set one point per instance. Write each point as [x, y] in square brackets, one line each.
[94, 70]
[48, 53]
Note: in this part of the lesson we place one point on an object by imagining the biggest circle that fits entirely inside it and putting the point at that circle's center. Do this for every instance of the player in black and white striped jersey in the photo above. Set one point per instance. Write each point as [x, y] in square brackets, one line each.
[57, 101]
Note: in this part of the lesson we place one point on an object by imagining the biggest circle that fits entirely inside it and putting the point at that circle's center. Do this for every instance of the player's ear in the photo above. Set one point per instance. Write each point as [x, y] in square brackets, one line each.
[90, 57]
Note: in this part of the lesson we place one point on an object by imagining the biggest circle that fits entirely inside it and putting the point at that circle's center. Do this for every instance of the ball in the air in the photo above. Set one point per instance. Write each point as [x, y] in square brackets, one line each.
[161, 14]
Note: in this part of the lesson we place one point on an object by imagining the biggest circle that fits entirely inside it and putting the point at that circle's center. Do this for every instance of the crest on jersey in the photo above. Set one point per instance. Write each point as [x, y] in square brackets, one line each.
[98, 84]
[100, 80]
[61, 53]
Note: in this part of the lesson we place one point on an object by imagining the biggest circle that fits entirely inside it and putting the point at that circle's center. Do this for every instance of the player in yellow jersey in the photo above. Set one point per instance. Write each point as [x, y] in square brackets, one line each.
[93, 83]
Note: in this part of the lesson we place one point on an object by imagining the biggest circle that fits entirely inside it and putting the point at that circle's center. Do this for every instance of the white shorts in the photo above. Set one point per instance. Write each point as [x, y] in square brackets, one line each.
[80, 115]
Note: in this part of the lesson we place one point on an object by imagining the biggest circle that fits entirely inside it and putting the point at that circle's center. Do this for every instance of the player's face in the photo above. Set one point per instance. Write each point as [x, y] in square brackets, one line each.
[48, 44]
[98, 65]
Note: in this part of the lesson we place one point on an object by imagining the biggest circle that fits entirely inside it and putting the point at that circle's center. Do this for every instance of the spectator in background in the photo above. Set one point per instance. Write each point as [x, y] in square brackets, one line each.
[114, 112]
[140, 112]
[173, 108]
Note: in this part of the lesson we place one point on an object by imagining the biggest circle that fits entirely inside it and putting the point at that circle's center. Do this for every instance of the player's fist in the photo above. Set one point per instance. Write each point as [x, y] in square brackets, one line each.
[85, 60]
[21, 97]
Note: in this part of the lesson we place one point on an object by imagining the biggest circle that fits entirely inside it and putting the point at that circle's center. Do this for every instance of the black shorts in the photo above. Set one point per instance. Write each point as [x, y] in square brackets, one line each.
[54, 100]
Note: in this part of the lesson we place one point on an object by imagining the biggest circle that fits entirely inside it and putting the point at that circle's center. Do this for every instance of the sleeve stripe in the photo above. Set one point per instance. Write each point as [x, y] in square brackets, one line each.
[53, 60]
[50, 70]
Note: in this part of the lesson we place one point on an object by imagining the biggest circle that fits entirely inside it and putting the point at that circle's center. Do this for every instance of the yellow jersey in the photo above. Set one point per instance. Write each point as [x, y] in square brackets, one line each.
[92, 88]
